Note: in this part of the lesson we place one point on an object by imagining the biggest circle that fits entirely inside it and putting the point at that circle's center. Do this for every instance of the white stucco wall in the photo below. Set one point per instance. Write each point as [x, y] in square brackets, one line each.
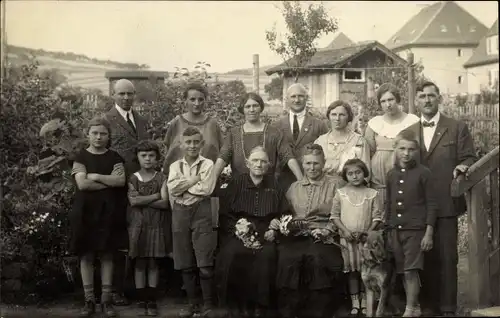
[443, 66]
[478, 77]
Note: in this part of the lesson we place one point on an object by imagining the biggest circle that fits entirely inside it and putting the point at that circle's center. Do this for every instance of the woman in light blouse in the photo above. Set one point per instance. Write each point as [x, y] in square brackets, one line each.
[310, 263]
[341, 143]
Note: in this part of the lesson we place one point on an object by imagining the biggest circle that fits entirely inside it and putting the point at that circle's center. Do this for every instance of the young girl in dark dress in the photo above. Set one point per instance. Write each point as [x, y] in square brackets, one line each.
[150, 223]
[98, 219]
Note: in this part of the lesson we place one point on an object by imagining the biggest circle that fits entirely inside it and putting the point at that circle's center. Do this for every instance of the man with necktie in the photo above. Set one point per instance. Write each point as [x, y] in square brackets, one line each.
[447, 149]
[128, 127]
[299, 127]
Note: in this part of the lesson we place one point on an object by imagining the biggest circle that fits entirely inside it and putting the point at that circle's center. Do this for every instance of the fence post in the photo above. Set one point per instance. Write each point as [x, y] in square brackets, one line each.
[411, 84]
[256, 73]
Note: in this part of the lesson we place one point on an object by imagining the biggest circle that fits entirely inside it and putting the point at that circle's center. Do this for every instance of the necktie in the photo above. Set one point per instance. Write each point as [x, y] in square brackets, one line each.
[296, 128]
[129, 121]
[428, 124]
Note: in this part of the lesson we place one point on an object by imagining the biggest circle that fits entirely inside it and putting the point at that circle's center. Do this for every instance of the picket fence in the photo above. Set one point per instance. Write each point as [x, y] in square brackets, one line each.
[480, 118]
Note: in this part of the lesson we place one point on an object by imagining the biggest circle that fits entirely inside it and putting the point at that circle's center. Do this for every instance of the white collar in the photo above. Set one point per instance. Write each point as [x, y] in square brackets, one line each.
[299, 115]
[123, 112]
[200, 158]
[435, 119]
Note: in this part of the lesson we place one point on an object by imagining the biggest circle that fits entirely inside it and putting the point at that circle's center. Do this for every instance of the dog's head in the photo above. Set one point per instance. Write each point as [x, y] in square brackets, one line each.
[373, 247]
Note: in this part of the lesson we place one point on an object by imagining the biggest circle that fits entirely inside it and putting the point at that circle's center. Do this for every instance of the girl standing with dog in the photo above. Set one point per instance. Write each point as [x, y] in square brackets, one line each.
[355, 210]
[150, 224]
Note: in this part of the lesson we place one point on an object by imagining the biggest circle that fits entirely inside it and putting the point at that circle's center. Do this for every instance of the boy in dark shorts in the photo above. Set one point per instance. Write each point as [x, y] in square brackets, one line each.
[411, 214]
[190, 183]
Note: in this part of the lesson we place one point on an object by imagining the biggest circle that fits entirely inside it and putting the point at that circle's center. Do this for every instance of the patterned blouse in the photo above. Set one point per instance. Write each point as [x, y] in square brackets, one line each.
[238, 144]
[312, 201]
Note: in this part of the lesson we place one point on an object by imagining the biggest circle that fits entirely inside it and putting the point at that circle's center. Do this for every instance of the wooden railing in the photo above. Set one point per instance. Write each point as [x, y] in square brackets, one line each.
[483, 229]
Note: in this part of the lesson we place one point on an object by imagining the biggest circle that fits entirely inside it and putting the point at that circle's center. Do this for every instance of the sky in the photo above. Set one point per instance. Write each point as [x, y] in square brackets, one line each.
[169, 34]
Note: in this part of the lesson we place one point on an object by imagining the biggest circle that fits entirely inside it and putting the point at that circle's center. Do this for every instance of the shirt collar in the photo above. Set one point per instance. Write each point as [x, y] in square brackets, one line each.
[435, 119]
[306, 181]
[123, 112]
[299, 115]
[200, 158]
[409, 166]
[264, 184]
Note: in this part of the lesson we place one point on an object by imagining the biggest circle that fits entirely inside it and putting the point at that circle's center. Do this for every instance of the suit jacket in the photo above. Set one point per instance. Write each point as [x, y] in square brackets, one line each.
[451, 145]
[311, 129]
[124, 138]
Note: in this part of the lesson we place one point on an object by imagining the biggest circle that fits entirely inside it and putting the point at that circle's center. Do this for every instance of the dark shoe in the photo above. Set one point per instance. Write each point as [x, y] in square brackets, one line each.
[152, 309]
[108, 310]
[448, 314]
[88, 309]
[119, 300]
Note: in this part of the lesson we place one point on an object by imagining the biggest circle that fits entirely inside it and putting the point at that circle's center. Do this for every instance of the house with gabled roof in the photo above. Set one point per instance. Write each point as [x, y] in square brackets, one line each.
[482, 67]
[338, 73]
[442, 37]
[341, 40]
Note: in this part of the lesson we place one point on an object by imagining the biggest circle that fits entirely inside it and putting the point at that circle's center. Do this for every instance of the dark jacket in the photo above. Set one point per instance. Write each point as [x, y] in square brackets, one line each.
[411, 203]
[451, 145]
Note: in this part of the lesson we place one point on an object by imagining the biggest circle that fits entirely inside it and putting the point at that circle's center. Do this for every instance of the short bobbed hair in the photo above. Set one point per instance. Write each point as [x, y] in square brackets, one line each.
[338, 103]
[194, 86]
[254, 96]
[388, 88]
[357, 163]
[100, 121]
[148, 145]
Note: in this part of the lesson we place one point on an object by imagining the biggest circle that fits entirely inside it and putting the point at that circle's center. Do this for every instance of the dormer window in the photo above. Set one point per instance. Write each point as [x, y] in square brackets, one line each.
[492, 45]
[473, 28]
[443, 28]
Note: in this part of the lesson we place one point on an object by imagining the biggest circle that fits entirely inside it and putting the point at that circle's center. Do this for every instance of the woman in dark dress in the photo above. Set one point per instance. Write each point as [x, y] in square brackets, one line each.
[254, 132]
[98, 218]
[246, 264]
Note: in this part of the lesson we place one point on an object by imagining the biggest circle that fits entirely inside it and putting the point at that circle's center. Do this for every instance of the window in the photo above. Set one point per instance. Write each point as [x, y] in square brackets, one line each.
[443, 28]
[459, 52]
[472, 28]
[459, 81]
[353, 75]
[492, 45]
[493, 78]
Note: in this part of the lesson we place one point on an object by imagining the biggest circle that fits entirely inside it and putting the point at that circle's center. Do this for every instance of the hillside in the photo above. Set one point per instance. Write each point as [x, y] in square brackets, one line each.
[88, 73]
[249, 71]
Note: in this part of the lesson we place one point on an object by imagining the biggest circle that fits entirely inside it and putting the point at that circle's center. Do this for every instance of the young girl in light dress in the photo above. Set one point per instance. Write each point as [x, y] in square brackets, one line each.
[355, 209]
[150, 224]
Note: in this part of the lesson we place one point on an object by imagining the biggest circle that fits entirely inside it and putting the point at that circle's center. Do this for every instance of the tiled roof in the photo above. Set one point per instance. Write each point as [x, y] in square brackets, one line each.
[480, 56]
[339, 57]
[442, 23]
[341, 40]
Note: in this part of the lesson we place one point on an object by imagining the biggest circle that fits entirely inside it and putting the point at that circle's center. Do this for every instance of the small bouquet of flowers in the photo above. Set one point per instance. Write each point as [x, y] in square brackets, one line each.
[246, 232]
[289, 225]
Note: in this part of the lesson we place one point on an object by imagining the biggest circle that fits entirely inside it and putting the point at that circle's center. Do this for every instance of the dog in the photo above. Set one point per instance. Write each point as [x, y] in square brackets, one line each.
[377, 271]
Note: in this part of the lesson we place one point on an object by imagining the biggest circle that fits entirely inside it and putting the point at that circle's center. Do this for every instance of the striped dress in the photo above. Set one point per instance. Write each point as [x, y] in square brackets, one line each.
[150, 233]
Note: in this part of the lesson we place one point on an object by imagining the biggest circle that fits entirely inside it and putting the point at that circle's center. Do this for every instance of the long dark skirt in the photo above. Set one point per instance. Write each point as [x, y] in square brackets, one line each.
[309, 278]
[245, 276]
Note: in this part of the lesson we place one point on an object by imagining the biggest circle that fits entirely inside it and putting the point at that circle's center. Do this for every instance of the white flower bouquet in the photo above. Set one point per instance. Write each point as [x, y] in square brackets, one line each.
[245, 231]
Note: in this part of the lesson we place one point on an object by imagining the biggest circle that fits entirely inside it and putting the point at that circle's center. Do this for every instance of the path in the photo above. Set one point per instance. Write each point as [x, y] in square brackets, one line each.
[169, 307]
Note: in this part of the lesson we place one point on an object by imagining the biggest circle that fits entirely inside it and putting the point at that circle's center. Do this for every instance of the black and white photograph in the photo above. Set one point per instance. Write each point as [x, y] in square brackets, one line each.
[249, 159]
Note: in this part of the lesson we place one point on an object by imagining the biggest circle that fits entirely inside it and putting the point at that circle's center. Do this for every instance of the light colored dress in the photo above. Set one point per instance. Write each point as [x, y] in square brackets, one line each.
[357, 209]
[380, 137]
[337, 153]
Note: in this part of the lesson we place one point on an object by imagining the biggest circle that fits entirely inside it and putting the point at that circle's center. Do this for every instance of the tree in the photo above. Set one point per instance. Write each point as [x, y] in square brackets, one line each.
[304, 26]
[275, 88]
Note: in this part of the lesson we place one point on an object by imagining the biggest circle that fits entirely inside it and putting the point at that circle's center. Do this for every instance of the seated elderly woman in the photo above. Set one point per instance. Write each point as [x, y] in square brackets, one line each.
[246, 264]
[310, 261]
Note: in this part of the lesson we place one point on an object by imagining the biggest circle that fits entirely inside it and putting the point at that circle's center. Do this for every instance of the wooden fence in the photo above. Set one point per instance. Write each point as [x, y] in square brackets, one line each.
[480, 118]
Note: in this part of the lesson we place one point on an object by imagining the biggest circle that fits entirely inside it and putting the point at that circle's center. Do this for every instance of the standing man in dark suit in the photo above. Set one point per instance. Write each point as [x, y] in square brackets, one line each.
[299, 128]
[127, 129]
[447, 149]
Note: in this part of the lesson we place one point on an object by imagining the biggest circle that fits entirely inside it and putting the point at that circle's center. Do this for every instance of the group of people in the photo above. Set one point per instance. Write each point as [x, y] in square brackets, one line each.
[302, 193]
